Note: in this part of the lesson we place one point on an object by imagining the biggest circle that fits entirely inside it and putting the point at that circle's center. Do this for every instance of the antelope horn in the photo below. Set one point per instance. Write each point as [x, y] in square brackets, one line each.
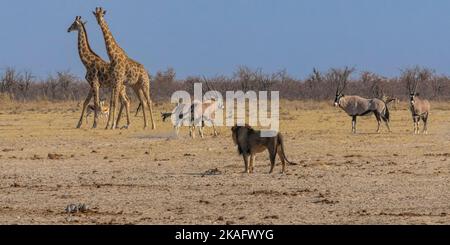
[206, 82]
[210, 87]
[415, 85]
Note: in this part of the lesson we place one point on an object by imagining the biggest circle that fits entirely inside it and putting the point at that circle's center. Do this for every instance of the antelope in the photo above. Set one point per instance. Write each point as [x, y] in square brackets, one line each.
[103, 112]
[196, 114]
[420, 108]
[378, 92]
[356, 106]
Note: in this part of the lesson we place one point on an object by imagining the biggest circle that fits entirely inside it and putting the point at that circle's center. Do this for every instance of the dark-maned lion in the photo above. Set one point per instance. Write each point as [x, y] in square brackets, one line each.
[250, 142]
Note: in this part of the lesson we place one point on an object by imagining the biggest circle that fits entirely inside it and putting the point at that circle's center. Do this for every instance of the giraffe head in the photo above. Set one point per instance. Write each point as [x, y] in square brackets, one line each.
[99, 14]
[76, 25]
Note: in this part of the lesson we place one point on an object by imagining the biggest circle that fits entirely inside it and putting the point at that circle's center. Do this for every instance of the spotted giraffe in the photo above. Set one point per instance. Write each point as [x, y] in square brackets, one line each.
[124, 71]
[97, 71]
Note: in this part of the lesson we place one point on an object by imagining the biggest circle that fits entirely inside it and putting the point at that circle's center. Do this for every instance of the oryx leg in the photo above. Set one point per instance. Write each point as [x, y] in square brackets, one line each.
[177, 130]
[85, 105]
[200, 129]
[387, 125]
[192, 131]
[87, 115]
[416, 124]
[179, 121]
[377, 115]
[425, 123]
[214, 128]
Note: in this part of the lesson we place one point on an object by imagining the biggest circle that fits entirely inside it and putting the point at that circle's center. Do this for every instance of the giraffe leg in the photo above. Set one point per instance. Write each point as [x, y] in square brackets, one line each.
[137, 110]
[110, 108]
[142, 99]
[117, 90]
[96, 88]
[146, 90]
[119, 116]
[125, 102]
[114, 105]
[85, 105]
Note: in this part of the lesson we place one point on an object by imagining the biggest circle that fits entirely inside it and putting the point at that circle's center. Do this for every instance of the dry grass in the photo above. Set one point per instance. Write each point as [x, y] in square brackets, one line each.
[136, 176]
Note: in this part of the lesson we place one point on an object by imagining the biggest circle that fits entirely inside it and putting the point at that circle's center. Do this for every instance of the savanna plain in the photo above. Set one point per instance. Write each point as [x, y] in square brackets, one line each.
[138, 176]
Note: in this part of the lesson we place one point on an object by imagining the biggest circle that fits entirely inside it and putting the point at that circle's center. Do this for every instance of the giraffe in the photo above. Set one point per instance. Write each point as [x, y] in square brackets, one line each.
[124, 71]
[97, 71]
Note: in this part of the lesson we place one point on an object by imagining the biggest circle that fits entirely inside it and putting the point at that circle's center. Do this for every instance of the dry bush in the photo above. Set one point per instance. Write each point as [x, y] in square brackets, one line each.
[64, 86]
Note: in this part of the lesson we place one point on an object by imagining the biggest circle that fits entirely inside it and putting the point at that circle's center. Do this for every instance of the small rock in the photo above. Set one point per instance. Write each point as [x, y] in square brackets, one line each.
[75, 208]
[214, 171]
[54, 156]
[36, 157]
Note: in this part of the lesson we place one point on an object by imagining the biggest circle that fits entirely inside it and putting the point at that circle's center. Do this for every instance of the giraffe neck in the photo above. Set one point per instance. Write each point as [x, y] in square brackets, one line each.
[87, 56]
[115, 52]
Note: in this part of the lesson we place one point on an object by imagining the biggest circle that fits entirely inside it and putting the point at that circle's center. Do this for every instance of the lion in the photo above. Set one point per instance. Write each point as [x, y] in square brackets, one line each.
[250, 142]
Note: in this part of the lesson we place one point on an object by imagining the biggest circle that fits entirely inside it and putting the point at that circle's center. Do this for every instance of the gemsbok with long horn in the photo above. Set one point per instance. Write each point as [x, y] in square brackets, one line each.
[354, 105]
[196, 113]
[420, 108]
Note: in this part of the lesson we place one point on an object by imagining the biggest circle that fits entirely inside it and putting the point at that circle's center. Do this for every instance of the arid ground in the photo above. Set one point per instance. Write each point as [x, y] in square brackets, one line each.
[138, 176]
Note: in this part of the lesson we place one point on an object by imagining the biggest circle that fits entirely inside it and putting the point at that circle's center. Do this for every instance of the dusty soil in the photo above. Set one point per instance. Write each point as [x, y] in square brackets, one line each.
[141, 176]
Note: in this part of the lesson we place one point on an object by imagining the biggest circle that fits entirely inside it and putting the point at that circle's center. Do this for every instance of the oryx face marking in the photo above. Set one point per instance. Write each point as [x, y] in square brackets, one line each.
[411, 98]
[337, 99]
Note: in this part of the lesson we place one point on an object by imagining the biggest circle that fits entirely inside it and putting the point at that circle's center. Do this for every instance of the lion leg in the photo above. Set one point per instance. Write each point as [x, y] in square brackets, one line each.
[252, 161]
[245, 156]
[272, 160]
[282, 158]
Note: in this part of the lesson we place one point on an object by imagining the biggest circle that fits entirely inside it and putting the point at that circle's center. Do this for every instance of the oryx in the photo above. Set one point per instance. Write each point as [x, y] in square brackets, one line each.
[196, 113]
[420, 108]
[356, 106]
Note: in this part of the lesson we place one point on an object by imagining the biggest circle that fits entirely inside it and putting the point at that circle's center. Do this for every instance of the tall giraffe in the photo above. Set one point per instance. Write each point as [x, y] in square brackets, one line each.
[123, 71]
[97, 71]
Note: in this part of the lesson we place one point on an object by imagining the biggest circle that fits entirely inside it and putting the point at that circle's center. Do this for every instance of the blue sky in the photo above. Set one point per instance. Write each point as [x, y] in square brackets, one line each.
[213, 37]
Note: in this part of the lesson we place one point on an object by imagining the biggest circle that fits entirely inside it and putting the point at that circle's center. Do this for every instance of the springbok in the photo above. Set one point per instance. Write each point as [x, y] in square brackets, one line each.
[356, 106]
[103, 111]
[420, 108]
